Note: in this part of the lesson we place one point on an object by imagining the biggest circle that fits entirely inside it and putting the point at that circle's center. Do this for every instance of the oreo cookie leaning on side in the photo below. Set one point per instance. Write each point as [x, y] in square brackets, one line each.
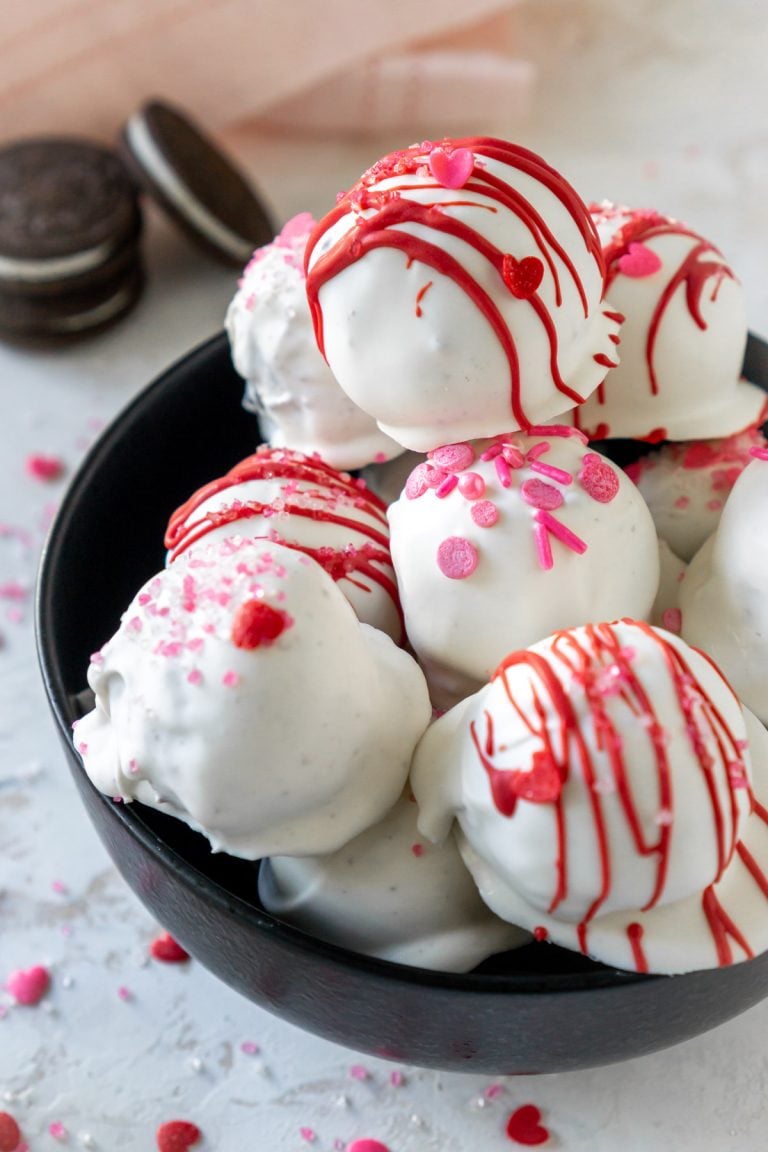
[69, 238]
[197, 185]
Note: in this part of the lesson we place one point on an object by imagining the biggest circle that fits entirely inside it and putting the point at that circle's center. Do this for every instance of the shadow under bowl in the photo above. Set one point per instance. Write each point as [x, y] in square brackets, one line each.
[537, 1009]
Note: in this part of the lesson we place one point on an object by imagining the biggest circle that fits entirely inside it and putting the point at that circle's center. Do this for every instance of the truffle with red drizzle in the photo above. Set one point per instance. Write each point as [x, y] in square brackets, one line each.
[457, 289]
[610, 791]
[303, 502]
[497, 543]
[683, 337]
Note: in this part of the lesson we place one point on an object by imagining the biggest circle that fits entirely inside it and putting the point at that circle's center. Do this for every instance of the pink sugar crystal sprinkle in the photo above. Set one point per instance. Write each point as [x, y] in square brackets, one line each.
[457, 557]
[45, 468]
[598, 479]
[539, 494]
[57, 1130]
[359, 1072]
[484, 513]
[308, 1134]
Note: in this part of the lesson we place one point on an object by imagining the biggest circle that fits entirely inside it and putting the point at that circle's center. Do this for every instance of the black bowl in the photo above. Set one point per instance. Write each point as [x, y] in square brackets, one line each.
[539, 1009]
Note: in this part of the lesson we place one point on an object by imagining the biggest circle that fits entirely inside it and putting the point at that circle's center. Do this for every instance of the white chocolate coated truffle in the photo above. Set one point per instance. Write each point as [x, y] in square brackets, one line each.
[457, 289]
[303, 502]
[496, 544]
[723, 601]
[287, 382]
[391, 894]
[683, 337]
[242, 695]
[685, 485]
[603, 785]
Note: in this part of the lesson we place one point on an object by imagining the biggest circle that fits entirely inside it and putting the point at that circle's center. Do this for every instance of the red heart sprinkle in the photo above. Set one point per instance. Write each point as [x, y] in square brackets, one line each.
[29, 986]
[524, 1128]
[452, 169]
[257, 623]
[177, 1136]
[168, 950]
[522, 277]
[639, 261]
[10, 1136]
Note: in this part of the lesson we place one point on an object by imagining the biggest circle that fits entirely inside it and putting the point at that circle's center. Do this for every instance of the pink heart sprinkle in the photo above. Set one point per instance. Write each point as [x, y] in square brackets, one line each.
[639, 261]
[29, 986]
[451, 169]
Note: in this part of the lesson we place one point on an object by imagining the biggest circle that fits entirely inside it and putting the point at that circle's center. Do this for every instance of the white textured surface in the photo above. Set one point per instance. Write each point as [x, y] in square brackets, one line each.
[649, 103]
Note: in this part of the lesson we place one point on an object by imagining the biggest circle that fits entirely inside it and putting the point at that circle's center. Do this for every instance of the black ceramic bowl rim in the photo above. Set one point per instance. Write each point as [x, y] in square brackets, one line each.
[130, 816]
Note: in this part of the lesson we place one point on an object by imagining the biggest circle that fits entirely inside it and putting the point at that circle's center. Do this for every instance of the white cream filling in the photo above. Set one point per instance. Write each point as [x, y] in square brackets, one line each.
[40, 271]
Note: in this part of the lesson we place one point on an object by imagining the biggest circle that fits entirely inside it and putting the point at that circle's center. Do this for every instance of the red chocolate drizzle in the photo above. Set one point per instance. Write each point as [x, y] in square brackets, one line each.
[391, 208]
[596, 659]
[325, 491]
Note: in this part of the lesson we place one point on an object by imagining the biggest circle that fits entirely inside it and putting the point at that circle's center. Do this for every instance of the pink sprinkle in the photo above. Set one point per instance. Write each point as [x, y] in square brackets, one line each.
[759, 453]
[367, 1146]
[416, 484]
[359, 1072]
[598, 479]
[457, 557]
[417, 849]
[13, 590]
[230, 679]
[512, 455]
[308, 1134]
[672, 620]
[249, 1047]
[492, 452]
[28, 986]
[537, 450]
[737, 774]
[82, 748]
[124, 993]
[195, 676]
[543, 547]
[15, 615]
[539, 494]
[550, 471]
[714, 505]
[493, 1090]
[484, 513]
[57, 1130]
[396, 1078]
[59, 887]
[380, 458]
[135, 624]
[472, 485]
[44, 468]
[561, 431]
[96, 658]
[563, 534]
[503, 471]
[453, 457]
[682, 502]
[447, 486]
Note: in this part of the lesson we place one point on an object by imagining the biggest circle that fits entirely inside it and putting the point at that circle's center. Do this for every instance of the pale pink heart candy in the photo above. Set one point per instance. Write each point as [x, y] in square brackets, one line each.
[639, 261]
[451, 169]
[28, 986]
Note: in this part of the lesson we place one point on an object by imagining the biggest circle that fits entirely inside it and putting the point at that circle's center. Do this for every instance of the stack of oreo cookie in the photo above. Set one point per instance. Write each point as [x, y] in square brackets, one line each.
[70, 220]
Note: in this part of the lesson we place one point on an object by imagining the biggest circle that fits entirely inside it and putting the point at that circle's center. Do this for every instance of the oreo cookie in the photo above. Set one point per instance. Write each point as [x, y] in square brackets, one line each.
[70, 224]
[198, 186]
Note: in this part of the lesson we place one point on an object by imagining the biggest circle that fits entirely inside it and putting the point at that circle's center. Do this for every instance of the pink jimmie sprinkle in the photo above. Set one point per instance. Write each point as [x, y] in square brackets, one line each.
[57, 1130]
[359, 1072]
[396, 1078]
[759, 453]
[551, 472]
[308, 1134]
[563, 534]
[539, 494]
[453, 457]
[598, 479]
[562, 431]
[42, 467]
[484, 513]
[537, 450]
[456, 557]
[124, 993]
[367, 1146]
[492, 452]
[543, 547]
[493, 1090]
[672, 620]
[230, 679]
[249, 1048]
[447, 486]
[195, 676]
[472, 485]
[503, 471]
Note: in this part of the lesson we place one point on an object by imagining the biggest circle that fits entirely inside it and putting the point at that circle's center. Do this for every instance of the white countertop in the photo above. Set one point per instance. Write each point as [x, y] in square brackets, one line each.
[676, 122]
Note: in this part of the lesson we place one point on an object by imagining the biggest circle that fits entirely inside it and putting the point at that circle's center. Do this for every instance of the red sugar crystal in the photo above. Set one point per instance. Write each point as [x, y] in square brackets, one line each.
[256, 624]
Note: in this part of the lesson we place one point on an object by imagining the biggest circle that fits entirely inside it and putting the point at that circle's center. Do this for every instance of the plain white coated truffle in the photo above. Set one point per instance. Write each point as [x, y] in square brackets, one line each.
[457, 290]
[391, 894]
[610, 792]
[242, 695]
